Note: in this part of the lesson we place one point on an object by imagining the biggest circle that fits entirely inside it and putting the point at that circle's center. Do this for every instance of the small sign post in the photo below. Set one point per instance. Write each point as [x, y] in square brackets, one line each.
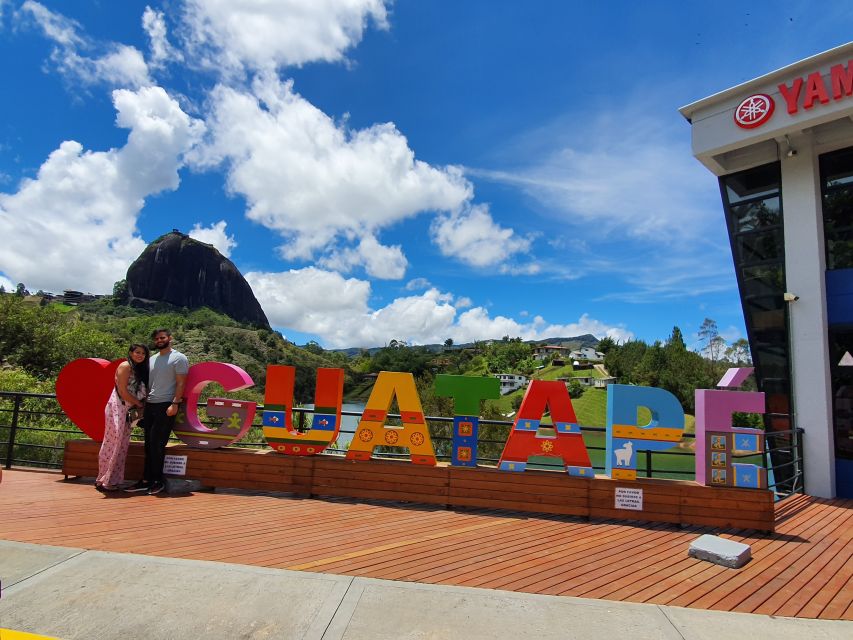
[629, 498]
[175, 465]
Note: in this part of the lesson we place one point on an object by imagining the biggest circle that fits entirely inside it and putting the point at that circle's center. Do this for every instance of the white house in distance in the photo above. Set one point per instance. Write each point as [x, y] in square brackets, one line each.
[542, 352]
[510, 382]
[587, 353]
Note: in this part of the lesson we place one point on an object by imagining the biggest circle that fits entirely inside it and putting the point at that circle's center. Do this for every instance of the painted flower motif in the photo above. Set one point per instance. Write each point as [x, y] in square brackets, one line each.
[417, 439]
[547, 446]
[391, 437]
[365, 435]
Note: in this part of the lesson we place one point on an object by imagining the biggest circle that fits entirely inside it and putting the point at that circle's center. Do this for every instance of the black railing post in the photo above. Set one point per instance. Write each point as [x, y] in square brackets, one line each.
[798, 434]
[10, 450]
[648, 463]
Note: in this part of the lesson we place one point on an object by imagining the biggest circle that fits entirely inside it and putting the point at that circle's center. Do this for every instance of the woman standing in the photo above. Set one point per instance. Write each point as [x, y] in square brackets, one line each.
[123, 407]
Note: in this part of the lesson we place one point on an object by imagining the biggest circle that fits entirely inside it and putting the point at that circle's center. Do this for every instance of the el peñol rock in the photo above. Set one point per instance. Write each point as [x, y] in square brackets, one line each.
[184, 272]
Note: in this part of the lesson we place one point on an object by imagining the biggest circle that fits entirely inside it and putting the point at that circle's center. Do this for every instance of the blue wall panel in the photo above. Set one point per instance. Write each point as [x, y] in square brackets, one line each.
[839, 296]
[844, 478]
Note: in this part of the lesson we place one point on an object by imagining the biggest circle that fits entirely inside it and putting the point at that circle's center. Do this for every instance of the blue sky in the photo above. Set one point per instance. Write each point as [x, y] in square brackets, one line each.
[390, 170]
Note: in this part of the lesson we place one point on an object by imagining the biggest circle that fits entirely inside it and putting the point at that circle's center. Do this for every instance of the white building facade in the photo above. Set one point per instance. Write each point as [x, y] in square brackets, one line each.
[782, 148]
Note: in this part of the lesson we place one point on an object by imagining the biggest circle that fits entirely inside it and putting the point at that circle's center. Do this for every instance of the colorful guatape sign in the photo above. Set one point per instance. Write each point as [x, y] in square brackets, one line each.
[84, 385]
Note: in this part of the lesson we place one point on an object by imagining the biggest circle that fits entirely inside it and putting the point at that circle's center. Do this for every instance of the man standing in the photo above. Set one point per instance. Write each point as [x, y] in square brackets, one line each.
[167, 377]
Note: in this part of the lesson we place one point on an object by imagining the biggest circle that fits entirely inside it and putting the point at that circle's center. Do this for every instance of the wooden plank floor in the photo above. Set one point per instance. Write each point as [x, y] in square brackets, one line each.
[805, 569]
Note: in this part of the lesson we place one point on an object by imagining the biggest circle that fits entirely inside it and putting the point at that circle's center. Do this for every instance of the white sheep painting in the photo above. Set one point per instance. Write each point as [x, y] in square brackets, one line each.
[623, 455]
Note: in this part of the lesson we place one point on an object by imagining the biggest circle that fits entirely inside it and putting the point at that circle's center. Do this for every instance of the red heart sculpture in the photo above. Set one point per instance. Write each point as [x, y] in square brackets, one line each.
[83, 388]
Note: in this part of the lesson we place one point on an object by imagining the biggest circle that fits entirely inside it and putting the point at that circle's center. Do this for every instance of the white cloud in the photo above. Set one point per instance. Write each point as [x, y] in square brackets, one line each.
[233, 35]
[318, 183]
[626, 172]
[154, 24]
[473, 237]
[417, 283]
[379, 261]
[119, 66]
[337, 309]
[464, 302]
[216, 235]
[5, 282]
[55, 26]
[530, 269]
[475, 324]
[74, 225]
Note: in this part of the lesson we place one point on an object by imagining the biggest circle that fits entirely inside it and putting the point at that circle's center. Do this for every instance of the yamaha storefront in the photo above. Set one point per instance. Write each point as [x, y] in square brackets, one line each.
[782, 147]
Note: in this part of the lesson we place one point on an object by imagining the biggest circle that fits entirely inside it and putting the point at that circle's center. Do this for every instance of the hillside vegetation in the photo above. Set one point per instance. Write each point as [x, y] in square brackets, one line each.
[40, 340]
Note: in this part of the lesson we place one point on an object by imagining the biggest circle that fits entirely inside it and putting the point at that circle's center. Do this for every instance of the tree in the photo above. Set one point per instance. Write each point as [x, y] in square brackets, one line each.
[448, 343]
[314, 347]
[738, 353]
[707, 332]
[2, 289]
[121, 292]
[676, 339]
[575, 389]
[21, 290]
[606, 344]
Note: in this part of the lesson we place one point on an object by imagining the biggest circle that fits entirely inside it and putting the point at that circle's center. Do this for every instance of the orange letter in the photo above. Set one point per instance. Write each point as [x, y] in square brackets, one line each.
[372, 432]
[278, 411]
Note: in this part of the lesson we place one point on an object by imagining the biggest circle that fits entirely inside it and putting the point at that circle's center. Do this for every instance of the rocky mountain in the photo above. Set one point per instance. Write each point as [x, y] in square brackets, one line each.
[184, 272]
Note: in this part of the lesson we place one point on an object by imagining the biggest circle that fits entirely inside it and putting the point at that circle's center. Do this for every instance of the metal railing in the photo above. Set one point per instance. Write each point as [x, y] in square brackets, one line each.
[33, 431]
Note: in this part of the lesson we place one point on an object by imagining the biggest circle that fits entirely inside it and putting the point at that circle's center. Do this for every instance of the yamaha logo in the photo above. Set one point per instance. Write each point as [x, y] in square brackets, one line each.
[754, 111]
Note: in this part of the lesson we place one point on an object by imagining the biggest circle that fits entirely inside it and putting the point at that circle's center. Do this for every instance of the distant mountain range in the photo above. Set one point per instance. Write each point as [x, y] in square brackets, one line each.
[578, 342]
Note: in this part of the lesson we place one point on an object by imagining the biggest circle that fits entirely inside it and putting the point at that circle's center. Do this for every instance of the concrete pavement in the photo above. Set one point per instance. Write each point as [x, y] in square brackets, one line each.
[74, 593]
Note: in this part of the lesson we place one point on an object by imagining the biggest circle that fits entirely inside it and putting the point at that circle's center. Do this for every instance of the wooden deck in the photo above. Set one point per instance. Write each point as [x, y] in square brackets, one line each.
[804, 569]
[542, 492]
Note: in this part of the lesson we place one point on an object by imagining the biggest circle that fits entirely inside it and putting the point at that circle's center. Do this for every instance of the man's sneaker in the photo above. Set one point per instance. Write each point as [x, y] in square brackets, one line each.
[138, 487]
[155, 488]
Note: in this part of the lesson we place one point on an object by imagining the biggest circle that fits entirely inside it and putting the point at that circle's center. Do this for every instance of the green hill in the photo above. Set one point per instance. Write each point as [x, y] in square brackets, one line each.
[41, 339]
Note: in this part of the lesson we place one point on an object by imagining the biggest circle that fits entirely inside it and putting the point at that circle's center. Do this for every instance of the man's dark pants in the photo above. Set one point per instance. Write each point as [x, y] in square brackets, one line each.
[157, 426]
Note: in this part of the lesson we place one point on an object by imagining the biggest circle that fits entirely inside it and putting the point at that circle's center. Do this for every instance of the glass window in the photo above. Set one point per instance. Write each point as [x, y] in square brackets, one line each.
[836, 170]
[759, 247]
[753, 203]
[755, 183]
[756, 215]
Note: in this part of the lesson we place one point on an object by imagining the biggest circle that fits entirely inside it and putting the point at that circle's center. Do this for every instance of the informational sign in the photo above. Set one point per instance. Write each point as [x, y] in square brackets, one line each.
[175, 465]
[629, 499]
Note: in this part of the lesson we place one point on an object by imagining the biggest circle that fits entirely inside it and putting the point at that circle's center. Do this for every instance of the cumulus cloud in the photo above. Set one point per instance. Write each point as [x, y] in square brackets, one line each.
[216, 235]
[236, 35]
[379, 261]
[337, 309]
[74, 225]
[473, 237]
[318, 183]
[154, 24]
[476, 322]
[119, 65]
[418, 283]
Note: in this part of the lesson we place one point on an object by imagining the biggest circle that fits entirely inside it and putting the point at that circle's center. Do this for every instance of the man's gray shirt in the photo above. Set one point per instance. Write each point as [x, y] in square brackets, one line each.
[161, 375]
